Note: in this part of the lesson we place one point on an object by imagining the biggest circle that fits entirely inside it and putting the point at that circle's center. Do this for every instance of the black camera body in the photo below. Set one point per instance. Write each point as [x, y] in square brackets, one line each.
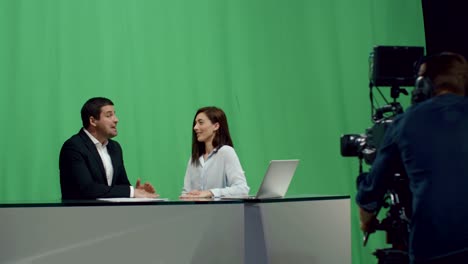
[365, 146]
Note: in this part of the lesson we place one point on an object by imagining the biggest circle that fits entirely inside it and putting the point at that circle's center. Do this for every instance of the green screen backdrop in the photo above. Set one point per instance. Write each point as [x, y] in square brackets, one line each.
[291, 75]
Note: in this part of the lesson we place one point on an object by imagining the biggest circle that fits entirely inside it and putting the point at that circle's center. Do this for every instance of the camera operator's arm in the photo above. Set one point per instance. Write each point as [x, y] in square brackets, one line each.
[373, 186]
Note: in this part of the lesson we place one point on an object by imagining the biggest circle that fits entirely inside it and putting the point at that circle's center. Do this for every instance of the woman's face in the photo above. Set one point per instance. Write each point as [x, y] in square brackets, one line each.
[204, 128]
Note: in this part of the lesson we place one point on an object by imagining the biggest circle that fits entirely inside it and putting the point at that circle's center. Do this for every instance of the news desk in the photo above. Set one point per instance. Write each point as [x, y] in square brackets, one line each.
[289, 230]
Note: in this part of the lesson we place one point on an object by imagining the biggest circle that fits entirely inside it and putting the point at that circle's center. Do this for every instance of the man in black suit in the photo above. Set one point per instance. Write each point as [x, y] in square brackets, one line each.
[91, 164]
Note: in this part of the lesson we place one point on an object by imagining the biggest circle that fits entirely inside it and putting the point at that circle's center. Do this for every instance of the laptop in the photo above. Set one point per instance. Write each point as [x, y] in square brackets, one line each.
[275, 182]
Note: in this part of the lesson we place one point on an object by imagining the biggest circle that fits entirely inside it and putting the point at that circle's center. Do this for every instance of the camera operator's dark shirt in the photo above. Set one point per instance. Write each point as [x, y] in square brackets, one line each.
[431, 141]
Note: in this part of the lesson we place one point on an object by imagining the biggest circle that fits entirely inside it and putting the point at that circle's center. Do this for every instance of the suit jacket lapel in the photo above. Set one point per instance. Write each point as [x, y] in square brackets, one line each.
[94, 153]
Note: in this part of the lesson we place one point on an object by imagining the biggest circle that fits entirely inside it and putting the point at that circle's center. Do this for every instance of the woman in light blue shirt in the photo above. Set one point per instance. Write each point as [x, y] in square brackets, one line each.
[214, 170]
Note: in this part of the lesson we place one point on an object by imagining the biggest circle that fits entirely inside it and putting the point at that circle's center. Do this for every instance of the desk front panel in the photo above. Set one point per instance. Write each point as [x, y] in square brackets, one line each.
[195, 233]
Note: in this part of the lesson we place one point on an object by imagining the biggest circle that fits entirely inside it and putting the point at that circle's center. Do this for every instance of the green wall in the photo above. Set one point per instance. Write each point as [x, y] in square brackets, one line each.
[292, 76]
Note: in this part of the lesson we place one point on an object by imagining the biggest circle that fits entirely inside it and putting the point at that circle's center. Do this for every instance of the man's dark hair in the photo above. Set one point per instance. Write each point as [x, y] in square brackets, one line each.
[222, 135]
[448, 71]
[92, 107]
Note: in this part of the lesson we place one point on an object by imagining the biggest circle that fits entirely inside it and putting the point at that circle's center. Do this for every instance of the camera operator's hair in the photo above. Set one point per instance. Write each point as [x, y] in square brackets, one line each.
[447, 71]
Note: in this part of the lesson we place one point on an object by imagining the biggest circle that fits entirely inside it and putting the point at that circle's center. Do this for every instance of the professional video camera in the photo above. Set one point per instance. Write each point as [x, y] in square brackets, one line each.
[364, 146]
[391, 66]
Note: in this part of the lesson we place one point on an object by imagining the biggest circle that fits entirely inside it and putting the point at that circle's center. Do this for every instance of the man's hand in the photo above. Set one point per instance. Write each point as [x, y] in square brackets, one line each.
[145, 191]
[147, 187]
[140, 193]
[368, 221]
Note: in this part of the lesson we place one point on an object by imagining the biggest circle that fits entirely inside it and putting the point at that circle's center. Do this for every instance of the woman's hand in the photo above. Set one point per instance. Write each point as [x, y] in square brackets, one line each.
[197, 194]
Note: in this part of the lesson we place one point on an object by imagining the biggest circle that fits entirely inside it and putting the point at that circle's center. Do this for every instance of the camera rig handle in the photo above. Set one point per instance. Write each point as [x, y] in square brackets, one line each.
[396, 223]
[395, 91]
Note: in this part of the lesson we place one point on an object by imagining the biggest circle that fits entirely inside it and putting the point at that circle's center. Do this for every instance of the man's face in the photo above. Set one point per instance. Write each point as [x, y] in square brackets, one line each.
[422, 69]
[106, 126]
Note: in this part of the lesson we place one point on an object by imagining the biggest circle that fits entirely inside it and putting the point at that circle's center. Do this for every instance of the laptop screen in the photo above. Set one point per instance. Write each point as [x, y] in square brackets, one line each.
[277, 179]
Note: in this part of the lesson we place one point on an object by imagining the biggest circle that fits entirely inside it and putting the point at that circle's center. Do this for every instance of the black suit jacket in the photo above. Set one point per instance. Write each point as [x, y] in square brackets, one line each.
[82, 174]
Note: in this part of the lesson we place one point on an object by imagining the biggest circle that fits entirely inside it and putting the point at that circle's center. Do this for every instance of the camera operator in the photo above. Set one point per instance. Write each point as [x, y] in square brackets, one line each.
[430, 141]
